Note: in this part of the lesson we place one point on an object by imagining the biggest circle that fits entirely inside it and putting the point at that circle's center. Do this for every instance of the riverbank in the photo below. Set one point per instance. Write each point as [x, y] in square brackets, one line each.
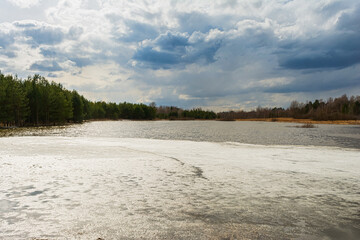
[304, 121]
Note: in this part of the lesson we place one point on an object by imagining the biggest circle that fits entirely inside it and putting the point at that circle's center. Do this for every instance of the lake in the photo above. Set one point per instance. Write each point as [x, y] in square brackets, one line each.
[180, 180]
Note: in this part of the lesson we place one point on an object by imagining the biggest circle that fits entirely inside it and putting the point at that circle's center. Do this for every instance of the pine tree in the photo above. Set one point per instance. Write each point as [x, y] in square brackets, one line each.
[78, 107]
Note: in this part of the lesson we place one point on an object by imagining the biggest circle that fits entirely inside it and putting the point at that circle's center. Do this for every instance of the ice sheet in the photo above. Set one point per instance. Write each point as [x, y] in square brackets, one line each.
[111, 188]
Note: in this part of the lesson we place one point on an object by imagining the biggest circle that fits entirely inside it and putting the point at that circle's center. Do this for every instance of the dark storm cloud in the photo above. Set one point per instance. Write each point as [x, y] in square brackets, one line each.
[170, 41]
[196, 21]
[53, 75]
[350, 21]
[81, 61]
[321, 59]
[74, 56]
[45, 35]
[6, 42]
[317, 81]
[6, 39]
[25, 24]
[49, 52]
[313, 84]
[46, 66]
[157, 58]
[138, 31]
[171, 49]
[334, 49]
[332, 8]
[9, 54]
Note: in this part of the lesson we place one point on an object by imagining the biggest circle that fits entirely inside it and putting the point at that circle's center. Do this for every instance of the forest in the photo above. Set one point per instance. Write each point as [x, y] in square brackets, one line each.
[341, 108]
[37, 102]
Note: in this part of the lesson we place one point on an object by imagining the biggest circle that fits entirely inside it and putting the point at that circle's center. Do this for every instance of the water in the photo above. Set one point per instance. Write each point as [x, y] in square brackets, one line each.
[180, 180]
[261, 133]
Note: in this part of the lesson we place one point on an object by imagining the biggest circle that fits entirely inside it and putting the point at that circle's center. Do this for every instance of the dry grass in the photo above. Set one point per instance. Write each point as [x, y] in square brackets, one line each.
[307, 125]
[304, 121]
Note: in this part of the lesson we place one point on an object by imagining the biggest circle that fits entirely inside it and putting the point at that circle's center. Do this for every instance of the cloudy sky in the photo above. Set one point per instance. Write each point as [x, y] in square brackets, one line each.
[213, 54]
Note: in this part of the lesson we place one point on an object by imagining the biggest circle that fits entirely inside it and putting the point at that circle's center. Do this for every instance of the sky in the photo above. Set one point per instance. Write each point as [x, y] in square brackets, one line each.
[219, 55]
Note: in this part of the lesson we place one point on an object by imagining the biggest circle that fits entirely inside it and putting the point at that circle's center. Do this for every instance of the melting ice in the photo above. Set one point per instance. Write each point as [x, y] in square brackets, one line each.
[117, 188]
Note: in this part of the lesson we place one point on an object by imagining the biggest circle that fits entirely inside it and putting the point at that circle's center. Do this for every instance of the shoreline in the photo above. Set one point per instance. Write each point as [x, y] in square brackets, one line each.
[284, 120]
[304, 121]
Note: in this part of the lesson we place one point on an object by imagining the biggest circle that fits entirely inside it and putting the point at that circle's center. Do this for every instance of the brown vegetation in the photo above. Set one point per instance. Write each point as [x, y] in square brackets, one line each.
[307, 125]
[341, 110]
[305, 121]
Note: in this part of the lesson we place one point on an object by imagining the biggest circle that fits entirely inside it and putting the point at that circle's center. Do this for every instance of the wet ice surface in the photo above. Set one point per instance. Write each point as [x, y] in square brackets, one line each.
[263, 133]
[113, 188]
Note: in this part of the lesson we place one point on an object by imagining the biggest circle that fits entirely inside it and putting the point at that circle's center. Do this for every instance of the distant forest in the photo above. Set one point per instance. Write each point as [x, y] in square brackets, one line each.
[35, 101]
[341, 108]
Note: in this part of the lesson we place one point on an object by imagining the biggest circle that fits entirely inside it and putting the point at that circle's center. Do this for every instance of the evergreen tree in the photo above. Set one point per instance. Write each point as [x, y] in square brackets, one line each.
[18, 102]
[60, 104]
[4, 104]
[13, 101]
[138, 112]
[78, 107]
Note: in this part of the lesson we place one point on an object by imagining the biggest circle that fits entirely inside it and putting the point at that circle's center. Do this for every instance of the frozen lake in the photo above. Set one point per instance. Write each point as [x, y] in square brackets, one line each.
[97, 181]
[260, 133]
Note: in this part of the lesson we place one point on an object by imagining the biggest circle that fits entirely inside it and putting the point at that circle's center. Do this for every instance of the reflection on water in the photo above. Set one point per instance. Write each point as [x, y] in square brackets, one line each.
[264, 133]
[89, 181]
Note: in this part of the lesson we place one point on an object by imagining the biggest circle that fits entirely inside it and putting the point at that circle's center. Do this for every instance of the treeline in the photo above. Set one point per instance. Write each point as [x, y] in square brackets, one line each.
[175, 113]
[341, 108]
[36, 101]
